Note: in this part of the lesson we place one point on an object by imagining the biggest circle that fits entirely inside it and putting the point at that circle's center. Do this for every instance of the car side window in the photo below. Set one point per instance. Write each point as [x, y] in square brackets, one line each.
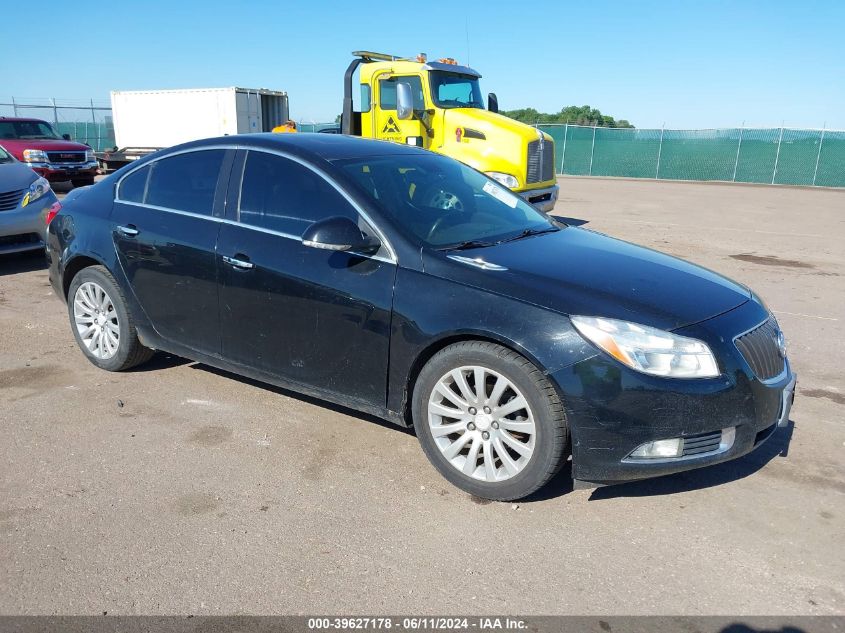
[281, 195]
[387, 92]
[185, 182]
[134, 186]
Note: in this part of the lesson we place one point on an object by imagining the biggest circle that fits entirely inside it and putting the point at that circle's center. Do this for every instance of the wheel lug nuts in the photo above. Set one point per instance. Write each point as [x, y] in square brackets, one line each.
[495, 425]
[485, 435]
[486, 409]
[471, 426]
[472, 411]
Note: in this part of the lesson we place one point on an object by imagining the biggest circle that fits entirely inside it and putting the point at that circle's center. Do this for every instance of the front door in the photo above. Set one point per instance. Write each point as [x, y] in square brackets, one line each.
[165, 233]
[312, 317]
[387, 125]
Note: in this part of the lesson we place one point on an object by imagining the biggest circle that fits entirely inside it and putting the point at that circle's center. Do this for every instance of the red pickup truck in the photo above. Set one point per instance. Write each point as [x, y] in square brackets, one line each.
[56, 158]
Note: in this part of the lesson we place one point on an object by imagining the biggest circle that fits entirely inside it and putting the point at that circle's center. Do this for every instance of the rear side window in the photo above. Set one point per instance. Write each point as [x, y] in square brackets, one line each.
[282, 195]
[185, 182]
[132, 187]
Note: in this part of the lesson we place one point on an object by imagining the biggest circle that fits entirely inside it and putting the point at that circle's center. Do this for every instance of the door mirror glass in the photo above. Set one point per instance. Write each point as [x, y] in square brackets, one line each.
[404, 101]
[339, 234]
[492, 102]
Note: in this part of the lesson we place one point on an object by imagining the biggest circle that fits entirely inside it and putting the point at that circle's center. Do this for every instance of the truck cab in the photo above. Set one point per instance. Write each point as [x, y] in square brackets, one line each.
[438, 105]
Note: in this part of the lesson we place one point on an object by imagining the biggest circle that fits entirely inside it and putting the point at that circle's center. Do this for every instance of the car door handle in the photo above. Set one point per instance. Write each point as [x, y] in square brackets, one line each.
[236, 262]
[129, 230]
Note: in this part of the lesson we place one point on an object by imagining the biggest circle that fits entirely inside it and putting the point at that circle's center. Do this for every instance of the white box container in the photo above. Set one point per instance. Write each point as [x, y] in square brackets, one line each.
[161, 118]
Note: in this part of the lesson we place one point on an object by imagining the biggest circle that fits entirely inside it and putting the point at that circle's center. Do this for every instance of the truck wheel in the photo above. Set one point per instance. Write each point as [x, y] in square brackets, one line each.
[101, 322]
[82, 182]
[489, 420]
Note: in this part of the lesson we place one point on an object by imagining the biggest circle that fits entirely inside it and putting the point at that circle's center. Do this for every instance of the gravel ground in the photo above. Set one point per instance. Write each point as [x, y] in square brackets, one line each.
[178, 488]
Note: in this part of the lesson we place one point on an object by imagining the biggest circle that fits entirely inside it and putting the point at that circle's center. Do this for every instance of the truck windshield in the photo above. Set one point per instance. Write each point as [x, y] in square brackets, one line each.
[30, 130]
[451, 90]
[441, 203]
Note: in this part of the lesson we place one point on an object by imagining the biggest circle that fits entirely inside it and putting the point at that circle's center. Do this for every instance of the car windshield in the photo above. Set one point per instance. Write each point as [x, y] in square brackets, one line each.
[451, 90]
[30, 130]
[442, 203]
[5, 157]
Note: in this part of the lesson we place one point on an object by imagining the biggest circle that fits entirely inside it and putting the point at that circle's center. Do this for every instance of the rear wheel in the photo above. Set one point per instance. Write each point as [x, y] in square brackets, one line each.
[489, 420]
[101, 323]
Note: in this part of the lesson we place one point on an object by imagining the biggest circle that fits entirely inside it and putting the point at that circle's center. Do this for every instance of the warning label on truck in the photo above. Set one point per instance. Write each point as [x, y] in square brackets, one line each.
[390, 127]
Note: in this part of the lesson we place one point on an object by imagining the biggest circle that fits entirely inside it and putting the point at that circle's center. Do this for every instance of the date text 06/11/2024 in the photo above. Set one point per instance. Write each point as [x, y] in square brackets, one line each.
[418, 623]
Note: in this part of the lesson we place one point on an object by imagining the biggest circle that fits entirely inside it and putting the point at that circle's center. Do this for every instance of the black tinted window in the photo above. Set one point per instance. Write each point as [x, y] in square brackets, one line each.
[185, 182]
[282, 195]
[133, 186]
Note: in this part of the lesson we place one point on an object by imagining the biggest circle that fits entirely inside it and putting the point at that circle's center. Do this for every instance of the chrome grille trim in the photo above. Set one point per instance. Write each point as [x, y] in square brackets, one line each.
[759, 348]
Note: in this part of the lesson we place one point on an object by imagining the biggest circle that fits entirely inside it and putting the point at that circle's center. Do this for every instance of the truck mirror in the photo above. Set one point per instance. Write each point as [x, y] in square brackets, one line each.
[492, 102]
[66, 137]
[404, 101]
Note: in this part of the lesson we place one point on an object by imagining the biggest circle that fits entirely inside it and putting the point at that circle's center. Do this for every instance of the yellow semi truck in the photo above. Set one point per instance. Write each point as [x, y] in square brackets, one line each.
[438, 105]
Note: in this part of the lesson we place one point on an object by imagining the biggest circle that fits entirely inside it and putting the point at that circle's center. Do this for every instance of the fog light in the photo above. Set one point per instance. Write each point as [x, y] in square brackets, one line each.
[660, 448]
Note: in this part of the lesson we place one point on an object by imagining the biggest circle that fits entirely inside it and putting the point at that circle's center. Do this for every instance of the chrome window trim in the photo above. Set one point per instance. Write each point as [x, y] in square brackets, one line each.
[260, 229]
[393, 259]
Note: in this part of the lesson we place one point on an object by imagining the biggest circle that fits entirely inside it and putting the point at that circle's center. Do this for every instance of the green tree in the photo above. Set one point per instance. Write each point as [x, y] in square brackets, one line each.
[577, 115]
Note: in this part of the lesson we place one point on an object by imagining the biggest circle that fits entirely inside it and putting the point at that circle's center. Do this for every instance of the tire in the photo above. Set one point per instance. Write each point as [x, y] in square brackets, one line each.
[127, 351]
[82, 182]
[540, 427]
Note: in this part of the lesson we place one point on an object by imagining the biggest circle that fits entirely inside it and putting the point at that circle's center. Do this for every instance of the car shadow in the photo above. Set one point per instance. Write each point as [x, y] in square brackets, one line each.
[354, 413]
[777, 445]
[15, 263]
[161, 360]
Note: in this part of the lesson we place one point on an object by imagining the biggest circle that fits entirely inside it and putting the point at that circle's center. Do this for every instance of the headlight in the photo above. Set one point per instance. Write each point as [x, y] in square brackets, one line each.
[648, 349]
[35, 156]
[89, 156]
[37, 189]
[503, 179]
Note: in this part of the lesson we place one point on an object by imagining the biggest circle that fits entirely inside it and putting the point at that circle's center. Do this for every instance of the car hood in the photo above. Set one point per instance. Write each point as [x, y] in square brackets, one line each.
[16, 146]
[577, 271]
[14, 176]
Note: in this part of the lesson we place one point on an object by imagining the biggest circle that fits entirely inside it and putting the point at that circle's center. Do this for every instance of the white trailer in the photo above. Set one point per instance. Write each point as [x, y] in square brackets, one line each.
[148, 120]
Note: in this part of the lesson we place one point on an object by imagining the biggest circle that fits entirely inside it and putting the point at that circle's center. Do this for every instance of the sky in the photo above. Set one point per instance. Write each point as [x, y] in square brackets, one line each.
[681, 63]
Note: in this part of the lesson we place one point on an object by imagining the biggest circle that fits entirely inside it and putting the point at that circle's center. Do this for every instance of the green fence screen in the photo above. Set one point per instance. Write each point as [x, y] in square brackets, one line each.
[774, 156]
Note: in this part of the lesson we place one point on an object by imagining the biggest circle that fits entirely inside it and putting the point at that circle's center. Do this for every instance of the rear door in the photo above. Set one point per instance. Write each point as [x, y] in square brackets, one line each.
[314, 317]
[166, 220]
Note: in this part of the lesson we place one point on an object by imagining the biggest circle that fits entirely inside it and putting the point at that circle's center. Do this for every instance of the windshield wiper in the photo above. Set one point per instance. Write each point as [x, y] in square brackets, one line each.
[467, 245]
[529, 233]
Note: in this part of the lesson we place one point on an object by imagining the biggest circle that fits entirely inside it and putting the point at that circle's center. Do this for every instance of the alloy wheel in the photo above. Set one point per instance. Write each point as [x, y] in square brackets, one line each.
[96, 320]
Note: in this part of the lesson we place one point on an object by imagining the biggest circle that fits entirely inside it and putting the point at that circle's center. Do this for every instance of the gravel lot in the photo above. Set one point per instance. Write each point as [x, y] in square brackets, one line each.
[178, 488]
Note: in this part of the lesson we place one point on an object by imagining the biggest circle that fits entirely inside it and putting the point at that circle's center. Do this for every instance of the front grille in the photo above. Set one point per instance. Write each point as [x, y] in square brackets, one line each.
[759, 348]
[10, 199]
[19, 240]
[541, 161]
[66, 157]
[702, 443]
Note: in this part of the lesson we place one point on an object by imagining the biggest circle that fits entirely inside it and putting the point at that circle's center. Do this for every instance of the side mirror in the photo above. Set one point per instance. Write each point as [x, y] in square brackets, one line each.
[338, 234]
[66, 137]
[404, 101]
[492, 102]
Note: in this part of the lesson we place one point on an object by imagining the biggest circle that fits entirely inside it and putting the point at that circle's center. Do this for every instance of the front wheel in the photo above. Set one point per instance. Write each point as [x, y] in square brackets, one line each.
[101, 323]
[489, 420]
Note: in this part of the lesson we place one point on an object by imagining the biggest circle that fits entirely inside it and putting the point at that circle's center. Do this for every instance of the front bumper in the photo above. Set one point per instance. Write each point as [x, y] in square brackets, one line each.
[612, 410]
[58, 172]
[543, 199]
[23, 229]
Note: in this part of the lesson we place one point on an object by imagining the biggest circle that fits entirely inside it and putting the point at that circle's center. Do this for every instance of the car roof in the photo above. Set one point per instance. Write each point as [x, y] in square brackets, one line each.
[327, 147]
[21, 118]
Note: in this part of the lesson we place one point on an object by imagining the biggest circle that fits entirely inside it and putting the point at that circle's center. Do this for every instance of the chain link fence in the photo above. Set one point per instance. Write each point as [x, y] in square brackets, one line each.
[784, 156]
[85, 120]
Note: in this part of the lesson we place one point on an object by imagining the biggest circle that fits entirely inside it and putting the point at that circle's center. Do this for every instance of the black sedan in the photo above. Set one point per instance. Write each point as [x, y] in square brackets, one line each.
[404, 284]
